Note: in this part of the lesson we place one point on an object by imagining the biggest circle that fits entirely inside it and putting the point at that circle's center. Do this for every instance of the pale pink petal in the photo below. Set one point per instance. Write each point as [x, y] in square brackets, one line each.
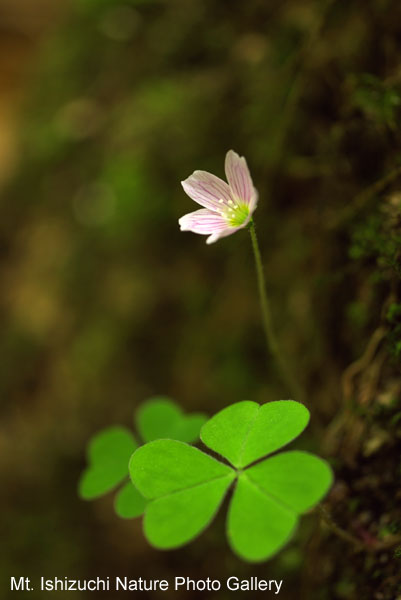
[239, 179]
[221, 234]
[207, 190]
[203, 221]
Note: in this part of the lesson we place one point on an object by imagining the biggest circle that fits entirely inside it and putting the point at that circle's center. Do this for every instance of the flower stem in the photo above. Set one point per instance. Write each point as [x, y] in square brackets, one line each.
[271, 340]
[338, 531]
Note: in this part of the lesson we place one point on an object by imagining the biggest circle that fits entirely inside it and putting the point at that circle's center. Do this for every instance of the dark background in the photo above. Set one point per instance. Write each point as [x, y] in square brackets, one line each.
[105, 106]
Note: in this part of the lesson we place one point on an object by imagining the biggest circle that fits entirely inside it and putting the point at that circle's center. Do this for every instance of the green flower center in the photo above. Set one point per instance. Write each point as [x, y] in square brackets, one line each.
[237, 214]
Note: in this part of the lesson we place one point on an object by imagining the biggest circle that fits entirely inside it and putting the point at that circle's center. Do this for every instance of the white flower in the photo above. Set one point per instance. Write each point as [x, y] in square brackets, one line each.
[228, 207]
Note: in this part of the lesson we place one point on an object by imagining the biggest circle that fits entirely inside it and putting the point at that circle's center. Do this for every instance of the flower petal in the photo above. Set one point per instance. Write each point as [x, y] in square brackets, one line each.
[207, 222]
[221, 234]
[207, 190]
[239, 179]
[203, 221]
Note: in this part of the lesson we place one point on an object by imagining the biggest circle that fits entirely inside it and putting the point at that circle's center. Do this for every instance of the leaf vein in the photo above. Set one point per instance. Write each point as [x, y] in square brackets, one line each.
[197, 485]
[246, 437]
[271, 496]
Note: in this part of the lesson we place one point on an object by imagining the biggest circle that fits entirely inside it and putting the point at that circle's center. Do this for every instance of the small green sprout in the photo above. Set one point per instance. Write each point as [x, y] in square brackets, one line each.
[109, 452]
[185, 486]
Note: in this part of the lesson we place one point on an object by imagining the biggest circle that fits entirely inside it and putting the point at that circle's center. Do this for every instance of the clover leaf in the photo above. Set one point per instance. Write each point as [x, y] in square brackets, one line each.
[161, 418]
[109, 452]
[185, 486]
[108, 455]
[129, 503]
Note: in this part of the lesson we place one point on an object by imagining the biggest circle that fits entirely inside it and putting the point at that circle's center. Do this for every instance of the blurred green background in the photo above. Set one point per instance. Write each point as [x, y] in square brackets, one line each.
[105, 106]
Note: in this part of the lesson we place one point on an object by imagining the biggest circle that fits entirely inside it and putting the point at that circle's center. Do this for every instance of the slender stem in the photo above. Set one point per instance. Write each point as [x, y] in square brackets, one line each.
[338, 531]
[271, 339]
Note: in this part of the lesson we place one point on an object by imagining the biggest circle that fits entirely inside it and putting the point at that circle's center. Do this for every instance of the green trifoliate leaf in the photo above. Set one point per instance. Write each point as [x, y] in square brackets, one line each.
[166, 466]
[110, 450]
[129, 503]
[108, 455]
[186, 486]
[162, 418]
[257, 526]
[295, 479]
[246, 431]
